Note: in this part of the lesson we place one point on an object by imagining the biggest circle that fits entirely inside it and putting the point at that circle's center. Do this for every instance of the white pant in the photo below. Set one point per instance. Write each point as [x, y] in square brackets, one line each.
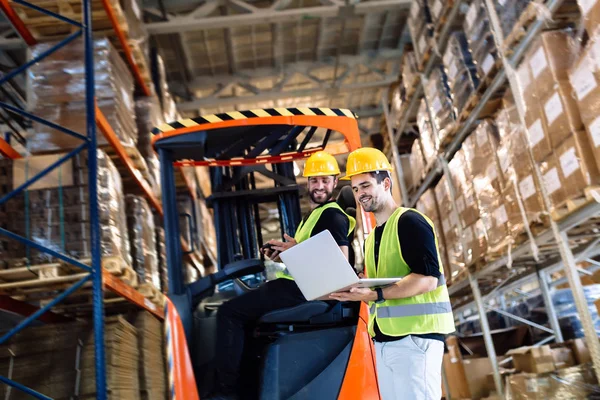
[410, 369]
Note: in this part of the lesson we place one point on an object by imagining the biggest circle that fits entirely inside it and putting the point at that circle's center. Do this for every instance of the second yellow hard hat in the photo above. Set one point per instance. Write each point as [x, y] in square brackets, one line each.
[366, 159]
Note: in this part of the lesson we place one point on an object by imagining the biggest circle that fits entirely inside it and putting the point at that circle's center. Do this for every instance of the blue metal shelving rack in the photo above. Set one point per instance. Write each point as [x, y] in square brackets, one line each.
[89, 144]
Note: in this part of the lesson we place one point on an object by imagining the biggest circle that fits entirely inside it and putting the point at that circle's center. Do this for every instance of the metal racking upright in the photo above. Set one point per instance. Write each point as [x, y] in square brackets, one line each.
[559, 253]
[100, 279]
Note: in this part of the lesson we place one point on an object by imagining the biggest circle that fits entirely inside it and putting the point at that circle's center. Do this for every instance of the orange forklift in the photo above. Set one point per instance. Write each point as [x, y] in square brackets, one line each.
[316, 350]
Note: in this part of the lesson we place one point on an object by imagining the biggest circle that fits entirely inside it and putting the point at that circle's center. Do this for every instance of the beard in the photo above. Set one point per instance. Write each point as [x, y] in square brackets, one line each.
[320, 198]
[368, 203]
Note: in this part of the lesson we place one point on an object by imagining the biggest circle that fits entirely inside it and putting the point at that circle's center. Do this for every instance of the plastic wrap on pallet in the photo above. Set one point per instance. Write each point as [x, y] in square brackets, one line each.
[466, 201]
[427, 205]
[410, 71]
[567, 312]
[449, 227]
[429, 142]
[168, 105]
[509, 12]
[578, 382]
[440, 101]
[148, 116]
[142, 236]
[417, 162]
[549, 59]
[420, 27]
[161, 251]
[479, 35]
[58, 82]
[460, 70]
[59, 216]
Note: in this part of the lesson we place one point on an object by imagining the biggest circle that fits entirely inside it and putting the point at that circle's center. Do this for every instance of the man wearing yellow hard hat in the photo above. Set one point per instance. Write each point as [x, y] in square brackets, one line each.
[234, 316]
[407, 320]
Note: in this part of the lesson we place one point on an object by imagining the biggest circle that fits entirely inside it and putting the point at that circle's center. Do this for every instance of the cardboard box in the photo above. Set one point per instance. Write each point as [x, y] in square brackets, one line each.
[561, 113]
[584, 77]
[550, 59]
[577, 164]
[530, 387]
[554, 181]
[480, 146]
[533, 359]
[538, 139]
[563, 357]
[581, 353]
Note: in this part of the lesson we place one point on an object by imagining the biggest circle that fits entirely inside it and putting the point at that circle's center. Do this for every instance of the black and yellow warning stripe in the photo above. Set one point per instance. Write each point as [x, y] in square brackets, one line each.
[256, 113]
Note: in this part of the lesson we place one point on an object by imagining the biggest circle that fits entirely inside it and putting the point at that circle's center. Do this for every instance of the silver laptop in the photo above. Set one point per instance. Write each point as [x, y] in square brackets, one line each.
[320, 268]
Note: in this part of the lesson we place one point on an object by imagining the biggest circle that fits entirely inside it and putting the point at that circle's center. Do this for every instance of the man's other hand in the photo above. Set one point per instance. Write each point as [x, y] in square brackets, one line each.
[355, 294]
[280, 247]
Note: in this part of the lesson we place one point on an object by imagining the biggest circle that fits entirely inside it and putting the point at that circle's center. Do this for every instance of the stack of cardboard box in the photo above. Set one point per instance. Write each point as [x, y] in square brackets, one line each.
[56, 209]
[420, 28]
[478, 32]
[59, 86]
[461, 71]
[440, 103]
[429, 142]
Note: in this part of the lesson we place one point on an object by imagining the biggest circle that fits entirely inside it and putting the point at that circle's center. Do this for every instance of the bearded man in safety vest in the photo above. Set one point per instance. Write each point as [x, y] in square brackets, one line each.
[407, 320]
[234, 316]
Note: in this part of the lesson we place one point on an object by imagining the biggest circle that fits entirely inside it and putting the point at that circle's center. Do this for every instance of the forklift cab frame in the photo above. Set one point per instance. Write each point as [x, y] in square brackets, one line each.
[233, 145]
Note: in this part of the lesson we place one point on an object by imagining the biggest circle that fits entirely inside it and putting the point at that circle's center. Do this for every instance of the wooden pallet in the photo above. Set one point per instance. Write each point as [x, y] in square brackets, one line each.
[46, 28]
[151, 293]
[568, 14]
[590, 195]
[134, 154]
[56, 276]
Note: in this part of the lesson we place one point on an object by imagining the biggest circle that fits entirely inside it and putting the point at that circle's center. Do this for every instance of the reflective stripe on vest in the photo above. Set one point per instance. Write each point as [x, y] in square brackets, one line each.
[304, 230]
[412, 310]
[429, 312]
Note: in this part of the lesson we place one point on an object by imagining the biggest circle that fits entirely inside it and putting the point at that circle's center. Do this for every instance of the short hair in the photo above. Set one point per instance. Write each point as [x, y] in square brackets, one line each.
[380, 176]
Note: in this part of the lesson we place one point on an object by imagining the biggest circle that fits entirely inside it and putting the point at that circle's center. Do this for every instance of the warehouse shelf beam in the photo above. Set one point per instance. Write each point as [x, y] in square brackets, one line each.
[264, 16]
[543, 280]
[396, 156]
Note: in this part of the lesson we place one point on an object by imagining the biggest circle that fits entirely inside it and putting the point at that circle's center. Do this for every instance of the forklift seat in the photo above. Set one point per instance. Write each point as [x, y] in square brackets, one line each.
[300, 313]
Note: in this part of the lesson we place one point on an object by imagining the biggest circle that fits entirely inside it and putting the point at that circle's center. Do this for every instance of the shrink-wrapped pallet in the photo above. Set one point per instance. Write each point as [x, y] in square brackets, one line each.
[60, 88]
[427, 205]
[148, 116]
[440, 103]
[417, 165]
[142, 236]
[461, 72]
[429, 142]
[478, 32]
[420, 28]
[57, 208]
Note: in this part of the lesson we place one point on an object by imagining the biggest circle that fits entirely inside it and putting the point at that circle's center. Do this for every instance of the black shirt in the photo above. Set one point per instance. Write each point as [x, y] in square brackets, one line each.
[417, 242]
[334, 220]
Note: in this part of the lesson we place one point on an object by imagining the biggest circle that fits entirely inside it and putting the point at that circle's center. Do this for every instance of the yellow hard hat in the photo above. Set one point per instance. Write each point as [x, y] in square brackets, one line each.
[321, 163]
[366, 159]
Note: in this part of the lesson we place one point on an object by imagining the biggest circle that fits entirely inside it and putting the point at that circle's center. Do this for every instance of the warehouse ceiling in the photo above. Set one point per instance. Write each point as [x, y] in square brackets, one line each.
[224, 55]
